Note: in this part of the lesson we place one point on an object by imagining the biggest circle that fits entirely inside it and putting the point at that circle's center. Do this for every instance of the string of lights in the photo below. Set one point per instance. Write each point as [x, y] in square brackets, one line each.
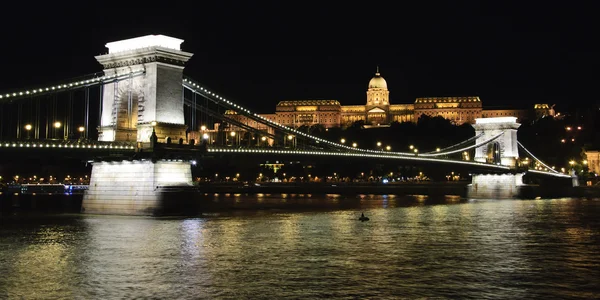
[72, 85]
[536, 159]
[196, 88]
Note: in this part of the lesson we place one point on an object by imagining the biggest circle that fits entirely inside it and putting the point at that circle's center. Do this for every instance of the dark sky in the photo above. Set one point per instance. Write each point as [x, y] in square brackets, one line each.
[509, 54]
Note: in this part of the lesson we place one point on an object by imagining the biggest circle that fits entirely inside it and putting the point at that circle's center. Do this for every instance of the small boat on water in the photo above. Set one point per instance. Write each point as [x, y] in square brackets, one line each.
[363, 218]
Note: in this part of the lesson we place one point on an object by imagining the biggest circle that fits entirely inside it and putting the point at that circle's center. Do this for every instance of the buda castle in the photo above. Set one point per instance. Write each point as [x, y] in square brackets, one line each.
[379, 112]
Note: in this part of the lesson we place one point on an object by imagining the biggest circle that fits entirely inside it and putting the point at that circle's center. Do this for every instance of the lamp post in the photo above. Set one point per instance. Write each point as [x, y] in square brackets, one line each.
[28, 128]
[56, 127]
[81, 130]
[232, 138]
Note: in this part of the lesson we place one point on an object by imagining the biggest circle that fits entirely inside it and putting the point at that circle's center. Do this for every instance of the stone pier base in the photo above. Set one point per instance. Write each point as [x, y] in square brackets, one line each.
[495, 186]
[136, 187]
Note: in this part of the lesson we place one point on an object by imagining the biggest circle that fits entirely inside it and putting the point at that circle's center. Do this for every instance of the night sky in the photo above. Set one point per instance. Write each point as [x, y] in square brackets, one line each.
[509, 55]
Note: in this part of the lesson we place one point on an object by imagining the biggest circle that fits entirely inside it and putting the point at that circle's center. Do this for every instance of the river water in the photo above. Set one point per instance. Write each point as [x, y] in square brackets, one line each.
[412, 247]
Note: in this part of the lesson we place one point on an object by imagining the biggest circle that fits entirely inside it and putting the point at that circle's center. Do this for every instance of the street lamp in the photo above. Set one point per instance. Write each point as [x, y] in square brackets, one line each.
[232, 134]
[354, 145]
[56, 127]
[203, 127]
[378, 144]
[81, 129]
[28, 128]
[388, 148]
[343, 140]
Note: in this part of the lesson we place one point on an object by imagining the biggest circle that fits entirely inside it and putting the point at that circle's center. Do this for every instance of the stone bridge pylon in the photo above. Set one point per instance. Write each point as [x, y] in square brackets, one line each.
[151, 96]
[149, 99]
[504, 150]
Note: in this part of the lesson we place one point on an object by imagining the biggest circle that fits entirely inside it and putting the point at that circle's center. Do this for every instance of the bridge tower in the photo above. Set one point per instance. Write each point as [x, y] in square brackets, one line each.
[502, 151]
[130, 106]
[151, 100]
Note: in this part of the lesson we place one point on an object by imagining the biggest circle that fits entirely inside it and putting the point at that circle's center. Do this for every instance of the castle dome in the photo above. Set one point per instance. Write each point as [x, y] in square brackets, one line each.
[377, 82]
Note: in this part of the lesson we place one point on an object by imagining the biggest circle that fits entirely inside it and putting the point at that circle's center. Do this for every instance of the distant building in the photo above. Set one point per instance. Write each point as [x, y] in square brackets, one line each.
[379, 112]
[593, 161]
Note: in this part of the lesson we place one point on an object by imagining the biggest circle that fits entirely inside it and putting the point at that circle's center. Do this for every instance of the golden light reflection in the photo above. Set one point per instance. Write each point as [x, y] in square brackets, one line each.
[440, 212]
[289, 230]
[44, 266]
[343, 223]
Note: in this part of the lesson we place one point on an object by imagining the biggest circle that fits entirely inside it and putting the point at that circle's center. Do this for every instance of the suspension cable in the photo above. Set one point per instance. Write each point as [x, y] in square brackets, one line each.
[456, 145]
[101, 80]
[466, 148]
[535, 158]
[263, 120]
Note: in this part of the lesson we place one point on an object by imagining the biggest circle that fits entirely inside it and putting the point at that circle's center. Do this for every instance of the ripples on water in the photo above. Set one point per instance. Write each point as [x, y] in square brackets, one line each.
[412, 248]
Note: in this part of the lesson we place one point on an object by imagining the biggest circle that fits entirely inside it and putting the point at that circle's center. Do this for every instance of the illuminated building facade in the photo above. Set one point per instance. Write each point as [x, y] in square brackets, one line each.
[379, 112]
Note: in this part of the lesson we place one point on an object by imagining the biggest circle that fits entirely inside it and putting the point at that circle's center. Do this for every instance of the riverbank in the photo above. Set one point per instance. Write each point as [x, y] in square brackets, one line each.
[204, 198]
[457, 188]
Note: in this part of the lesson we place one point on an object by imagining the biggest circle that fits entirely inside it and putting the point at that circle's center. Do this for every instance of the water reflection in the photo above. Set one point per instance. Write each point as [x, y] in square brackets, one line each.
[42, 267]
[413, 247]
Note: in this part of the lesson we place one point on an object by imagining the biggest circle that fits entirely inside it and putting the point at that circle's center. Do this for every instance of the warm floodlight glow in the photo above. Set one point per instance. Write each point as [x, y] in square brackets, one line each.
[145, 42]
[203, 127]
[205, 136]
[496, 120]
[28, 127]
[263, 138]
[290, 137]
[57, 124]
[232, 133]
[153, 123]
[81, 128]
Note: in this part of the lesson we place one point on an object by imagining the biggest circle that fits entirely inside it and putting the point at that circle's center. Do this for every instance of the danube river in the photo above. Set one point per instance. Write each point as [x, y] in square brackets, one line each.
[307, 247]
